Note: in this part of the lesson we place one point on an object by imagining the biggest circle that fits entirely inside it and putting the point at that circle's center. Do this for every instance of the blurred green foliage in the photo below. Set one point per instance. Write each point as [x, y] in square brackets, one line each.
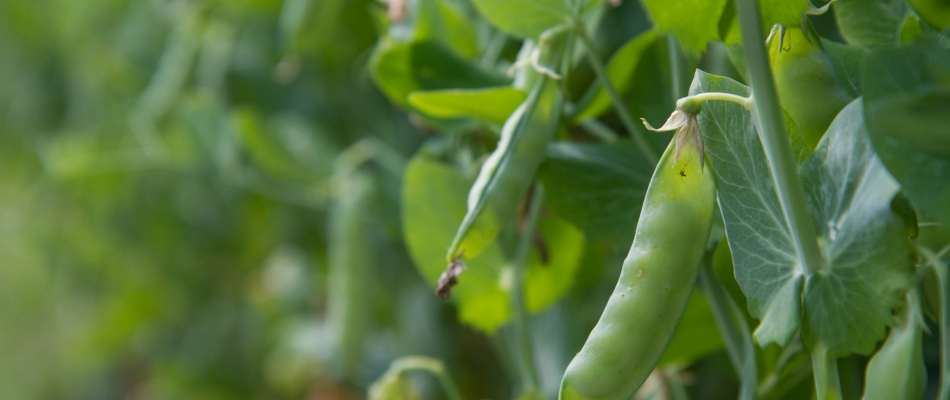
[169, 171]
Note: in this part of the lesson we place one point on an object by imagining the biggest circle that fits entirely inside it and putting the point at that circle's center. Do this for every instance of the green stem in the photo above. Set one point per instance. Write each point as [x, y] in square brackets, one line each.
[825, 367]
[619, 105]
[707, 96]
[493, 50]
[600, 131]
[431, 365]
[529, 374]
[775, 140]
[738, 340]
[676, 67]
[943, 318]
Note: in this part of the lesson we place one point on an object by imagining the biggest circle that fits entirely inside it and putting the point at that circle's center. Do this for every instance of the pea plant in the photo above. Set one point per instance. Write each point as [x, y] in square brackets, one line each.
[797, 195]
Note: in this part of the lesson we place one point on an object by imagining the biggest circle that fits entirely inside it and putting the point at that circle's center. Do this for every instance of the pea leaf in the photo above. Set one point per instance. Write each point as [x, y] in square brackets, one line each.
[870, 261]
[597, 187]
[620, 70]
[848, 306]
[907, 91]
[762, 250]
[524, 18]
[870, 23]
[694, 22]
[433, 206]
[493, 104]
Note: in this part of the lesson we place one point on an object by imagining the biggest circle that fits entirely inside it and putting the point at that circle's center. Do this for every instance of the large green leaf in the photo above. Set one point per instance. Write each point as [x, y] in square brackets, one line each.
[848, 305]
[597, 187]
[907, 95]
[620, 70]
[871, 23]
[525, 18]
[493, 104]
[864, 242]
[755, 225]
[694, 22]
[434, 196]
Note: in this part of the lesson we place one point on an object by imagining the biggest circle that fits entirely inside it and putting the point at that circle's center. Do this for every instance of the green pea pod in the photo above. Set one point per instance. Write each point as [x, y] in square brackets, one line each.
[509, 171]
[897, 370]
[806, 82]
[654, 287]
[348, 269]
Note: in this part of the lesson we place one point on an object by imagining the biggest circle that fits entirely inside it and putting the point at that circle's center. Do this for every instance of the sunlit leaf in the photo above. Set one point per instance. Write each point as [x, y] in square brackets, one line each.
[694, 22]
[524, 18]
[433, 206]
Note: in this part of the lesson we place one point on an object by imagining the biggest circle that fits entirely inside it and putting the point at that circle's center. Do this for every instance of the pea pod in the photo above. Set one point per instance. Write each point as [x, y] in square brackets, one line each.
[654, 287]
[348, 268]
[505, 176]
[806, 82]
[897, 370]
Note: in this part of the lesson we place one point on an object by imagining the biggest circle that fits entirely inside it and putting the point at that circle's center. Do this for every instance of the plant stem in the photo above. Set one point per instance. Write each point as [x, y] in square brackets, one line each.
[775, 141]
[619, 105]
[600, 131]
[529, 374]
[676, 61]
[825, 367]
[493, 50]
[431, 365]
[738, 341]
[943, 318]
[707, 96]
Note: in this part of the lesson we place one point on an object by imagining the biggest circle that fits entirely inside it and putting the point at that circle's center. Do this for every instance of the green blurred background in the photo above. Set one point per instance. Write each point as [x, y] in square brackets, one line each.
[169, 175]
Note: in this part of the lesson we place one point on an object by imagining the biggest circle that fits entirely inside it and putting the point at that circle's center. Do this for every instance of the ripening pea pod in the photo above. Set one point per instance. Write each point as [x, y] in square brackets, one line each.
[509, 171]
[897, 370]
[806, 82]
[655, 283]
[348, 270]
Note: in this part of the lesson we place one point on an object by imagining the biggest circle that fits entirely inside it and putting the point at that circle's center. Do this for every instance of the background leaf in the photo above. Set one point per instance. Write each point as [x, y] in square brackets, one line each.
[870, 23]
[694, 22]
[621, 68]
[433, 206]
[524, 18]
[493, 105]
[597, 187]
[906, 92]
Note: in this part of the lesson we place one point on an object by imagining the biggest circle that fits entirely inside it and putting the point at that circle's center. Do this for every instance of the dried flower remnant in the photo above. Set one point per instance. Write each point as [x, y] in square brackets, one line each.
[449, 278]
[687, 131]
